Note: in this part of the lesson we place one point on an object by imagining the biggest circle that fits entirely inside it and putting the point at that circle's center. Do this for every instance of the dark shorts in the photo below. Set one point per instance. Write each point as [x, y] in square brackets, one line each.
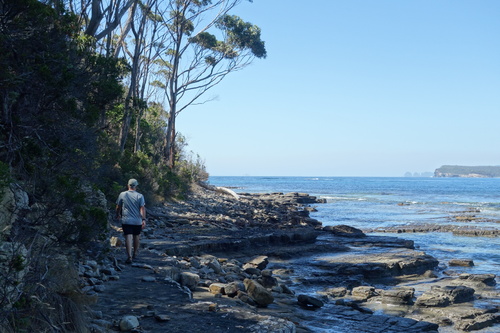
[131, 229]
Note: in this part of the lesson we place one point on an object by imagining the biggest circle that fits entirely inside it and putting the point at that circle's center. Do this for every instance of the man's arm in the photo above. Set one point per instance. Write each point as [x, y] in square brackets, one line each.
[143, 214]
[118, 214]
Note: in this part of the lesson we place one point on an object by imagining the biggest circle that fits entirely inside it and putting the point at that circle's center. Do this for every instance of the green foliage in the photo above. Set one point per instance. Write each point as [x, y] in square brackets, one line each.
[243, 35]
[179, 21]
[205, 40]
[18, 263]
[5, 178]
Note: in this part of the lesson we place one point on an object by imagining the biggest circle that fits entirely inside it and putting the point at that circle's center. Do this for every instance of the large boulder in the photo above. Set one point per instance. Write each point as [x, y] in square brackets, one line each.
[398, 296]
[258, 293]
[429, 299]
[190, 280]
[443, 296]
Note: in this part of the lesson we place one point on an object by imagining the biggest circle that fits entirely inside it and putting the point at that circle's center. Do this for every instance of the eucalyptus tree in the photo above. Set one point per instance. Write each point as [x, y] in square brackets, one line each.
[99, 18]
[139, 54]
[206, 45]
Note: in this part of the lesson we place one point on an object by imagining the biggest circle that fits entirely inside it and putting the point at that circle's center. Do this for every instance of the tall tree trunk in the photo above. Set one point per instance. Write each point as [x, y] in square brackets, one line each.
[127, 116]
[170, 137]
[134, 82]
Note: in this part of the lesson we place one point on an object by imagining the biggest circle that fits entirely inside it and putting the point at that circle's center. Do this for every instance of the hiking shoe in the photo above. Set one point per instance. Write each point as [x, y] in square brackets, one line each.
[129, 261]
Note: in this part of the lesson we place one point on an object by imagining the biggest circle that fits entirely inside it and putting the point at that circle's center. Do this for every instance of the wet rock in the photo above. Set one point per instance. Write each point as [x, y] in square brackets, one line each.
[272, 324]
[443, 296]
[309, 302]
[286, 290]
[480, 280]
[461, 262]
[479, 322]
[344, 231]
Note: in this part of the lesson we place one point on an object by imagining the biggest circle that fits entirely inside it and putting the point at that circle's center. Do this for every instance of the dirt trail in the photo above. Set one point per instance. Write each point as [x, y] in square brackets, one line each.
[142, 291]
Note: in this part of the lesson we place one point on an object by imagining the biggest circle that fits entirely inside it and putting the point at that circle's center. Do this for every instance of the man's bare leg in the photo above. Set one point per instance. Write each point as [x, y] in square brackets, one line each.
[136, 244]
[128, 245]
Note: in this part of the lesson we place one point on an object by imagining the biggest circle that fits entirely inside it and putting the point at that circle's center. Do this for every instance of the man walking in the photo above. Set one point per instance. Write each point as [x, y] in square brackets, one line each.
[131, 210]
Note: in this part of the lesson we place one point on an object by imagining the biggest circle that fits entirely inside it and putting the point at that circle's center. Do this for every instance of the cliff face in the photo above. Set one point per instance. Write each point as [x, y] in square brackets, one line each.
[468, 171]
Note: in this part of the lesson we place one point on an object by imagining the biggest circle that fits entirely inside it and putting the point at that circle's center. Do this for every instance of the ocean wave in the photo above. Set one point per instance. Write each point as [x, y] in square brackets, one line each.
[338, 198]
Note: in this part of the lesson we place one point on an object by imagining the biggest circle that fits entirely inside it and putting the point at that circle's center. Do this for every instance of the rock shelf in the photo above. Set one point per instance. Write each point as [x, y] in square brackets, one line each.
[219, 263]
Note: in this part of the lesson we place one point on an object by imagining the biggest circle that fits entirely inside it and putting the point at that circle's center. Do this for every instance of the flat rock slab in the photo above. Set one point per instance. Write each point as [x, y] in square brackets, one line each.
[390, 262]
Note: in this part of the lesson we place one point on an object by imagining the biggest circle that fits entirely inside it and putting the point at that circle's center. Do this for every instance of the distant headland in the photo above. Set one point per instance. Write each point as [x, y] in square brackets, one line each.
[468, 171]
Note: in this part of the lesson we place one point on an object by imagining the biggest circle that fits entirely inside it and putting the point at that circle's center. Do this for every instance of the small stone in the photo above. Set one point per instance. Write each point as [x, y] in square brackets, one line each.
[251, 270]
[217, 288]
[286, 290]
[267, 273]
[363, 292]
[128, 323]
[231, 289]
[99, 288]
[115, 241]
[259, 262]
[162, 317]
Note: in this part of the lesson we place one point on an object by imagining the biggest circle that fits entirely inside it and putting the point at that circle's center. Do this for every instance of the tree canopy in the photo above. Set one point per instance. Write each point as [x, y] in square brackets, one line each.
[89, 95]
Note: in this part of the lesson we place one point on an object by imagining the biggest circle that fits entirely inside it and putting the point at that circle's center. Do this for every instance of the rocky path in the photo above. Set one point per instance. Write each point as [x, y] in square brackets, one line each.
[159, 305]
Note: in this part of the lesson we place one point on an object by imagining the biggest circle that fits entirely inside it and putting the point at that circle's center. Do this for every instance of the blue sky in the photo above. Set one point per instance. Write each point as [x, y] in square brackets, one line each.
[357, 88]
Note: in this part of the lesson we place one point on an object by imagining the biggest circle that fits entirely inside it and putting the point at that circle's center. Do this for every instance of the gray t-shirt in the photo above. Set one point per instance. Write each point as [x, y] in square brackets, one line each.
[131, 202]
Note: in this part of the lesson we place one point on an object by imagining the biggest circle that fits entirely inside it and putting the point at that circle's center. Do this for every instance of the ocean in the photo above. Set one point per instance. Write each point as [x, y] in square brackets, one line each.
[372, 203]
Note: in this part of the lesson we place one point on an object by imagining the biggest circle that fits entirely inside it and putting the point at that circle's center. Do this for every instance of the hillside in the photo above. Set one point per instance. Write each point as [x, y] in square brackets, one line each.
[468, 171]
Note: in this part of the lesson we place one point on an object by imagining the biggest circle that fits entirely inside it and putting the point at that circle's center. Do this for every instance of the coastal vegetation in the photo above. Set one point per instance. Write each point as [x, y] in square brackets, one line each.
[89, 94]
[468, 171]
